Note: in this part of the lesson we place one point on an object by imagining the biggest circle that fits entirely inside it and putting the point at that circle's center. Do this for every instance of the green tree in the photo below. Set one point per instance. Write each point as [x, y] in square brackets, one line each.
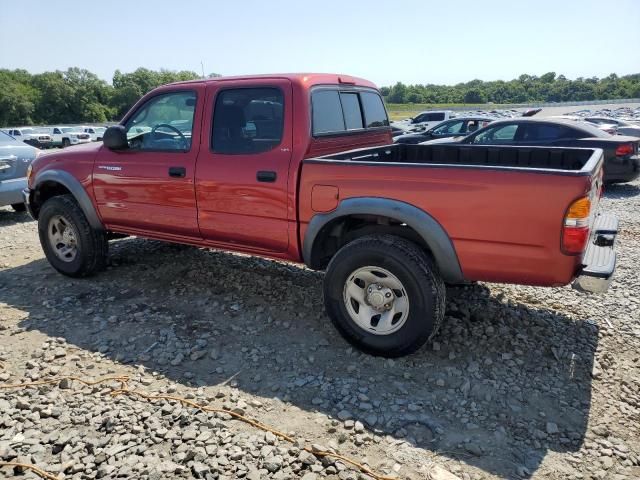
[474, 96]
[17, 98]
[398, 93]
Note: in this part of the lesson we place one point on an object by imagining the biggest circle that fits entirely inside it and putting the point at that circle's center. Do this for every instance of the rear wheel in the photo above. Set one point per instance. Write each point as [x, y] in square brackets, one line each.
[70, 244]
[384, 295]
[19, 207]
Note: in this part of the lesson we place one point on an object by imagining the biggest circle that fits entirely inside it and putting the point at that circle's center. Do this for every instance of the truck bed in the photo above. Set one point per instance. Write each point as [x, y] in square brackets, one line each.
[502, 207]
[574, 161]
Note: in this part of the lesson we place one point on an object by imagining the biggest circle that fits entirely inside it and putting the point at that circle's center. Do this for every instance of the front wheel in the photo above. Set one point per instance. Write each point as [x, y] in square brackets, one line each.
[384, 295]
[71, 246]
[66, 143]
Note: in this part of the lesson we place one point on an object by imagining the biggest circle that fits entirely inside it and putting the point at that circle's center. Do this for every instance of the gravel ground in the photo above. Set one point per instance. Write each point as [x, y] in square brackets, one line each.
[521, 382]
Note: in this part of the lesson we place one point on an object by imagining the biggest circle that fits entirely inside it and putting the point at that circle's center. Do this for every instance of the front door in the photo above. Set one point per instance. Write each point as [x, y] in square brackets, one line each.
[150, 185]
[243, 168]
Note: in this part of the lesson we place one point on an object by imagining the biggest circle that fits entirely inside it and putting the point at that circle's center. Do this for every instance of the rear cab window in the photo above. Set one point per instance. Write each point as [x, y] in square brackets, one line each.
[337, 111]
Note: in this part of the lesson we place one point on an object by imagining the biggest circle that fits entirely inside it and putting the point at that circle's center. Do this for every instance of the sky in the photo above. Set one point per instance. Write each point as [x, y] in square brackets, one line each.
[387, 41]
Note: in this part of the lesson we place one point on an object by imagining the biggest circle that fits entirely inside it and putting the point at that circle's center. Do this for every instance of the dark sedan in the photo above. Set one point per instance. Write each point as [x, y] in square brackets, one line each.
[447, 129]
[622, 161]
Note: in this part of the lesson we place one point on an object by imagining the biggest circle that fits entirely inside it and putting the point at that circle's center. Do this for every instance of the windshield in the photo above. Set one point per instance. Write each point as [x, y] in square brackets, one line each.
[100, 129]
[27, 131]
[70, 129]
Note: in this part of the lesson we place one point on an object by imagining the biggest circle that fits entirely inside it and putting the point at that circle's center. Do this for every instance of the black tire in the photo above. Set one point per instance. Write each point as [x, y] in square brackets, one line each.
[417, 273]
[91, 245]
[66, 142]
[18, 207]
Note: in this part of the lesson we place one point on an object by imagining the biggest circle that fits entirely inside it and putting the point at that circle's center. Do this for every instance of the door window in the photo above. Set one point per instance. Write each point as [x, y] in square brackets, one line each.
[163, 123]
[247, 120]
[420, 118]
[449, 128]
[499, 134]
[541, 132]
[435, 117]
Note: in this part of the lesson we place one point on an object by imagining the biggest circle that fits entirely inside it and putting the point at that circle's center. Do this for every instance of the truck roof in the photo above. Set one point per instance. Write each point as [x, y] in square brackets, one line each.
[306, 80]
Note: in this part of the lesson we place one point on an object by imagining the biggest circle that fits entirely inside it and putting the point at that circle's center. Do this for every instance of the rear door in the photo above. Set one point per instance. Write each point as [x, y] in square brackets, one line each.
[243, 166]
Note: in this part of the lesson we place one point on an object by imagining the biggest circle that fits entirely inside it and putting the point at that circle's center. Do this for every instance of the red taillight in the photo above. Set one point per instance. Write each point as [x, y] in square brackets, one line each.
[624, 149]
[575, 232]
[574, 239]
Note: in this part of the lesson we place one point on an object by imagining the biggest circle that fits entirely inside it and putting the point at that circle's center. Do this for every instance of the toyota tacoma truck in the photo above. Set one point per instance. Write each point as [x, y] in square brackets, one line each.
[302, 168]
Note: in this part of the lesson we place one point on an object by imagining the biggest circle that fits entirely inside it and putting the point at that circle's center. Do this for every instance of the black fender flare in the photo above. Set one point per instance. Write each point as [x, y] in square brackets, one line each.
[77, 190]
[433, 234]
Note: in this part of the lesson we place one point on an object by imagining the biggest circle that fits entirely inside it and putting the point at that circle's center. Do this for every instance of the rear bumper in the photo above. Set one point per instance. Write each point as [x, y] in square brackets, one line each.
[626, 169]
[10, 190]
[599, 261]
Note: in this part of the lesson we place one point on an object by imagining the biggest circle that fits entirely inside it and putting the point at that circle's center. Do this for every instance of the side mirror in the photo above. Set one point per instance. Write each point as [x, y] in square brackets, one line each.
[115, 138]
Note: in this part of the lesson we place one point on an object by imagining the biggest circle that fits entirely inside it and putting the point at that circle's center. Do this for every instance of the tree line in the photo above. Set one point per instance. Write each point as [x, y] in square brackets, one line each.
[525, 89]
[75, 95]
[79, 96]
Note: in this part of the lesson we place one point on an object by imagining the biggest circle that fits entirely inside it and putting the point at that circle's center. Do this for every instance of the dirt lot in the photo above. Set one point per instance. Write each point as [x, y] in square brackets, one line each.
[520, 382]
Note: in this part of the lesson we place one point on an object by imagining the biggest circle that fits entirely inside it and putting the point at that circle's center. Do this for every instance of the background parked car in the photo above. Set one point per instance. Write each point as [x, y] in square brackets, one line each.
[609, 128]
[96, 133]
[446, 129]
[424, 120]
[15, 158]
[30, 136]
[622, 126]
[622, 162]
[67, 136]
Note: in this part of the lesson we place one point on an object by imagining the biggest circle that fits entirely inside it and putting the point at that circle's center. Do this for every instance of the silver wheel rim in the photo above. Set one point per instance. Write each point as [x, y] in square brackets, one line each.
[376, 300]
[62, 238]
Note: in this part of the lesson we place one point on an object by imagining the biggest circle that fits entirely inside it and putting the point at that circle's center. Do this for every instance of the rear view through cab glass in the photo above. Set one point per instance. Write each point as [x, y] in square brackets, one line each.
[336, 112]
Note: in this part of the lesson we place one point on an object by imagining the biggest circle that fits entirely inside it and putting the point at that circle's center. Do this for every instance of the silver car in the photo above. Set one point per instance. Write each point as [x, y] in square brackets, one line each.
[622, 127]
[15, 158]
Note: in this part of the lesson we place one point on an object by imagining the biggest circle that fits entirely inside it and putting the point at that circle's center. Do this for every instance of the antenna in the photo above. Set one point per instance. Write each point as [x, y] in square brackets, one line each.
[202, 65]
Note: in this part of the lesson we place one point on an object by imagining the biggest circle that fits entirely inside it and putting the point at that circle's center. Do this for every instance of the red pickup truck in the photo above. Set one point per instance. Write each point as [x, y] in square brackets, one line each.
[301, 168]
